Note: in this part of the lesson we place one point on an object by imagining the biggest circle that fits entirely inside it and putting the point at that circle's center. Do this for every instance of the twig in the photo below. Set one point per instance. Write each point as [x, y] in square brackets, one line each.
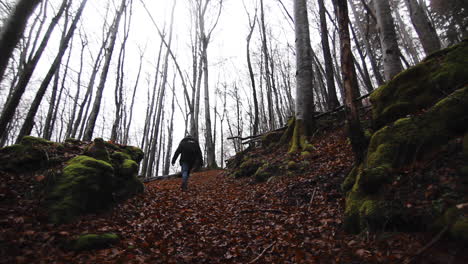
[275, 211]
[263, 252]
[312, 198]
[433, 241]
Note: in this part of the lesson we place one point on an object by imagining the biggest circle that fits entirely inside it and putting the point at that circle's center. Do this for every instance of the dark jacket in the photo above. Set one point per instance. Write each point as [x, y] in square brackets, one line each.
[189, 151]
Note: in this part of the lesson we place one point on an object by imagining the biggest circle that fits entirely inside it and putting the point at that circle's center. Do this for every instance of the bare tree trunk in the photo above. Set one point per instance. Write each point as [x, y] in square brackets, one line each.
[128, 125]
[271, 114]
[29, 121]
[388, 39]
[148, 167]
[251, 73]
[355, 133]
[407, 41]
[332, 99]
[304, 78]
[48, 127]
[170, 132]
[426, 32]
[375, 69]
[88, 134]
[205, 36]
[116, 133]
[13, 30]
[25, 75]
[69, 130]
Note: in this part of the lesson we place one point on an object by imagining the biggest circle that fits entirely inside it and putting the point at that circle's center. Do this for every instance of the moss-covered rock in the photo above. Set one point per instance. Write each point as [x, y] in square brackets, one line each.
[421, 86]
[30, 154]
[127, 183]
[94, 241]
[98, 150]
[135, 153]
[292, 165]
[264, 172]
[247, 168]
[86, 185]
[272, 138]
[398, 144]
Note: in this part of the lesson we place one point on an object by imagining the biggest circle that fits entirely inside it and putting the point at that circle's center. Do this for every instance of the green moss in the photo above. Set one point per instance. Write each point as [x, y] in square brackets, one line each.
[371, 180]
[264, 172]
[272, 138]
[120, 156]
[459, 229]
[292, 165]
[247, 168]
[298, 140]
[135, 153]
[129, 168]
[32, 141]
[306, 154]
[421, 86]
[350, 179]
[93, 241]
[31, 154]
[98, 150]
[85, 186]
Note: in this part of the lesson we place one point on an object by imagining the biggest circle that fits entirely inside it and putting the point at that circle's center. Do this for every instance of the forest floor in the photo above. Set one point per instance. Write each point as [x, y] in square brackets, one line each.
[293, 219]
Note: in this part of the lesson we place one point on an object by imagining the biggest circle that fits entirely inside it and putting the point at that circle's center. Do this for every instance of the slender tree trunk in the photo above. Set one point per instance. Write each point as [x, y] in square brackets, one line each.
[332, 99]
[48, 127]
[426, 32]
[251, 75]
[355, 133]
[12, 31]
[388, 39]
[127, 127]
[69, 130]
[271, 114]
[157, 124]
[304, 78]
[88, 135]
[375, 69]
[25, 76]
[29, 121]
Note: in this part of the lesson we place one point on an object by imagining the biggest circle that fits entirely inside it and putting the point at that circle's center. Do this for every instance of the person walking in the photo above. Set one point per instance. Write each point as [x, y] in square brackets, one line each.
[190, 157]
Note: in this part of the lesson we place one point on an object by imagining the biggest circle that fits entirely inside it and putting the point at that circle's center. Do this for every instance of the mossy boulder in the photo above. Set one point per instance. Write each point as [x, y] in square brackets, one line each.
[98, 150]
[271, 138]
[292, 165]
[85, 186]
[127, 183]
[94, 241]
[30, 154]
[135, 153]
[421, 86]
[247, 168]
[264, 172]
[398, 144]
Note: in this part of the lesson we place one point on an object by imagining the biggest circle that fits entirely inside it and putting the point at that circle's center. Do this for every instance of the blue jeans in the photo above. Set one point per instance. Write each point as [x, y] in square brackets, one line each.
[185, 174]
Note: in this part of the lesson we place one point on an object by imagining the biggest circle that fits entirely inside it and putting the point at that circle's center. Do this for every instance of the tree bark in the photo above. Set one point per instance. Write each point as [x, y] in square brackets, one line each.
[355, 133]
[13, 30]
[29, 121]
[332, 99]
[304, 77]
[251, 73]
[25, 76]
[88, 135]
[426, 32]
[388, 39]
